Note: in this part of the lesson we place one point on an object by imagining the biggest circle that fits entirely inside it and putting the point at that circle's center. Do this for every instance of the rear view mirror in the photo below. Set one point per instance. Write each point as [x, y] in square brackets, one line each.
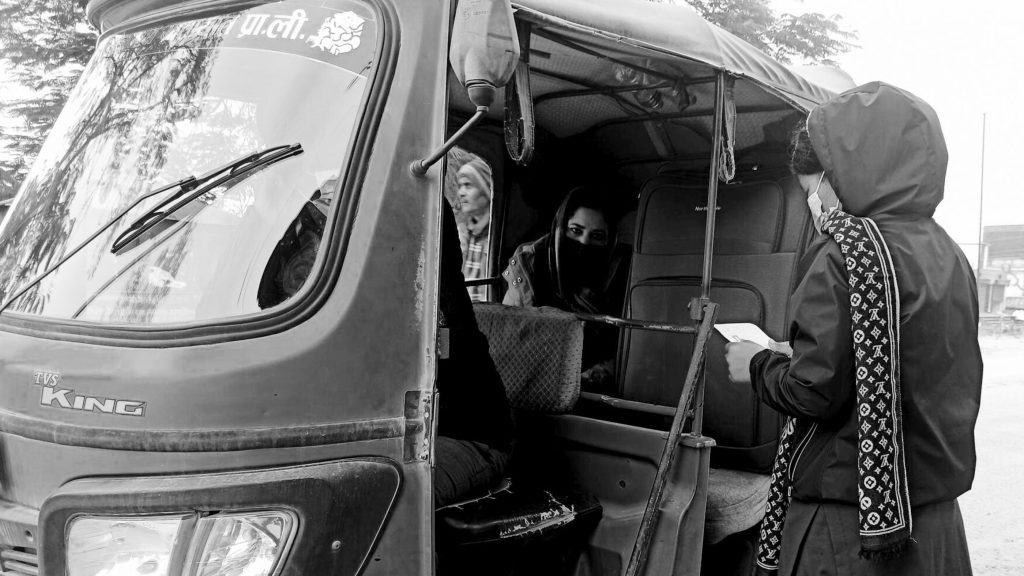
[485, 47]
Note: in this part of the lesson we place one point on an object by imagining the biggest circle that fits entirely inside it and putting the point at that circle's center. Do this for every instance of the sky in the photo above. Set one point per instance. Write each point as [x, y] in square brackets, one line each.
[964, 58]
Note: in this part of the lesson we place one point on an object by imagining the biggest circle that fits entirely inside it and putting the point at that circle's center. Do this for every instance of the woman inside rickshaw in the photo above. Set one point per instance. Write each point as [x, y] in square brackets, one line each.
[578, 267]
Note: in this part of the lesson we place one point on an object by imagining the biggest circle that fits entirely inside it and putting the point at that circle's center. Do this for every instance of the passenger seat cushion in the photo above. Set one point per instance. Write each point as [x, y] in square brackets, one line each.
[736, 502]
[538, 353]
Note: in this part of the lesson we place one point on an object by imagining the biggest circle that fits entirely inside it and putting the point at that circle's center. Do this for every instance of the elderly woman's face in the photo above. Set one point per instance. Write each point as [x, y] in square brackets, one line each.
[472, 199]
[587, 226]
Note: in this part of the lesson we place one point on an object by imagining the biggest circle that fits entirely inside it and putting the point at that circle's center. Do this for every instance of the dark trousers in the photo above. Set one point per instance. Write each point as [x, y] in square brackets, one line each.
[463, 469]
[822, 539]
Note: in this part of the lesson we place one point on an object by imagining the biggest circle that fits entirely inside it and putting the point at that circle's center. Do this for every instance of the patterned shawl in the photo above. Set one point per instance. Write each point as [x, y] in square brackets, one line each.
[885, 519]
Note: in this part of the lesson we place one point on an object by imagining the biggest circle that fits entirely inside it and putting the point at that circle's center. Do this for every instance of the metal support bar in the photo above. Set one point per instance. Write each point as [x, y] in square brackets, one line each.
[495, 280]
[709, 229]
[693, 374]
[639, 324]
[420, 167]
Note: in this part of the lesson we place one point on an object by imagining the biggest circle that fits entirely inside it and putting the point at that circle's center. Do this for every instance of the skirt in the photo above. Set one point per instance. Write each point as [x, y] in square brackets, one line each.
[822, 539]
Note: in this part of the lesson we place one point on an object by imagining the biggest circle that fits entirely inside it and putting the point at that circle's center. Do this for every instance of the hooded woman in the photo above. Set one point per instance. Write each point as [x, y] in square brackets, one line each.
[884, 381]
[475, 189]
[576, 267]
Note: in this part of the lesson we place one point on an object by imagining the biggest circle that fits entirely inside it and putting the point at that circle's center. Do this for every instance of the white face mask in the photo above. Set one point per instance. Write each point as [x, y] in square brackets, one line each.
[814, 203]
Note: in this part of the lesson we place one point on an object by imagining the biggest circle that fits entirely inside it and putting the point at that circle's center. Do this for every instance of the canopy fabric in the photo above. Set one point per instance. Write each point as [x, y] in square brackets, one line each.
[676, 30]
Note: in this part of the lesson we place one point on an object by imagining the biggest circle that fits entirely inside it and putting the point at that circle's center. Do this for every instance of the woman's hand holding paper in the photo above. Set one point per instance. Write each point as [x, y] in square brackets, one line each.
[737, 356]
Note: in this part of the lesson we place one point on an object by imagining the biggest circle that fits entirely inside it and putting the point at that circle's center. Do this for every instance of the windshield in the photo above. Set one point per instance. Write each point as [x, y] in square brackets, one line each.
[157, 106]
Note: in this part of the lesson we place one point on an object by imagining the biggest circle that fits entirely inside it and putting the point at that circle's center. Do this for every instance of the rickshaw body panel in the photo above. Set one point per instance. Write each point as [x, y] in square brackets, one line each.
[332, 387]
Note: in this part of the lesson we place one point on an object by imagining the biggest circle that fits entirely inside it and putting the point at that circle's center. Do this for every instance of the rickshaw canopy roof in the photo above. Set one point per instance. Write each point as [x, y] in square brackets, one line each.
[676, 30]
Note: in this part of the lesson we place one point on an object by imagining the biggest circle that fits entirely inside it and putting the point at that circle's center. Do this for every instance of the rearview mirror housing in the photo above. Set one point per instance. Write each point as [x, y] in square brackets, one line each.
[485, 47]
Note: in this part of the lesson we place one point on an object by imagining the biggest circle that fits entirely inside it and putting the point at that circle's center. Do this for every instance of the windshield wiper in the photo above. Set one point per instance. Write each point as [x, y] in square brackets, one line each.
[191, 185]
[243, 167]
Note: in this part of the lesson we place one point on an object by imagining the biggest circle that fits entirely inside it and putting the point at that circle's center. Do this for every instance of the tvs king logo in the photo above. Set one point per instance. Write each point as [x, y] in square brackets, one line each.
[53, 395]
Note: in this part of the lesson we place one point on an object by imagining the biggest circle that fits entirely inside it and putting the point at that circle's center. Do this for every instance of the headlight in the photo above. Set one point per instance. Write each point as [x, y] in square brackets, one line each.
[321, 518]
[226, 544]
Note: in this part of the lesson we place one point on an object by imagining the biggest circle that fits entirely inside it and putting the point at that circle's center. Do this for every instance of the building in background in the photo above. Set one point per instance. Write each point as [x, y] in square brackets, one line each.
[1001, 278]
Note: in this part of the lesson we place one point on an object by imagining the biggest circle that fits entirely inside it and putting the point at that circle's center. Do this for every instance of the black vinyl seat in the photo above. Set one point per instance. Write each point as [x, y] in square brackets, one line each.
[762, 229]
[760, 233]
[524, 526]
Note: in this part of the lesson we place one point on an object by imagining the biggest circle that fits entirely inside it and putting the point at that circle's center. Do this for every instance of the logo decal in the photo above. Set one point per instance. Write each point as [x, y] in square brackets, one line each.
[53, 394]
[338, 34]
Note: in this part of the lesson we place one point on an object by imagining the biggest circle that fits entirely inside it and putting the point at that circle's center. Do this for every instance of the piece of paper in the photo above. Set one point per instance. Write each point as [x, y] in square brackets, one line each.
[743, 331]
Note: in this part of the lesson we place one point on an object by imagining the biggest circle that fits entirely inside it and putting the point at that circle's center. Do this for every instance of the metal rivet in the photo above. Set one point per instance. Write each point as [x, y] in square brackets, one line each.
[336, 545]
[519, 279]
[505, 273]
[512, 261]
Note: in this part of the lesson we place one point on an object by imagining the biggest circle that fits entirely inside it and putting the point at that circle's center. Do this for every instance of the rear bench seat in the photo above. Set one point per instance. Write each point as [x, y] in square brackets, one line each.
[761, 230]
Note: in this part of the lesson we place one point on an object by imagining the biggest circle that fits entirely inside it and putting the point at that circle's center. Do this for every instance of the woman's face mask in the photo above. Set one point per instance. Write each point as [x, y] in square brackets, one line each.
[585, 248]
[819, 209]
[814, 203]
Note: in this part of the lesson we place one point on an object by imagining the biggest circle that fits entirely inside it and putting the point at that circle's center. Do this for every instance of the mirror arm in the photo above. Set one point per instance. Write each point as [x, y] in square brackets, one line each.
[420, 167]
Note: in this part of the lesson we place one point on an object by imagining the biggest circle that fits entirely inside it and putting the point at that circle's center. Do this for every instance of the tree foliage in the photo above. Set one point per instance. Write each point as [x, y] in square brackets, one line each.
[44, 45]
[812, 36]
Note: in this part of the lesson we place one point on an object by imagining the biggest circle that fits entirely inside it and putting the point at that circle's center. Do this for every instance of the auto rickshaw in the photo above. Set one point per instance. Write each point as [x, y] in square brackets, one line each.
[220, 287]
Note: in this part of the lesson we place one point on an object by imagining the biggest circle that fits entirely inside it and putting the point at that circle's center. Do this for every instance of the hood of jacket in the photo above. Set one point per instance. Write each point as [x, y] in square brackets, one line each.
[882, 149]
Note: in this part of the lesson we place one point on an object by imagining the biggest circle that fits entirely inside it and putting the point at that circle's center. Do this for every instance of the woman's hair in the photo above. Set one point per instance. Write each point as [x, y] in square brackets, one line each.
[802, 158]
[594, 196]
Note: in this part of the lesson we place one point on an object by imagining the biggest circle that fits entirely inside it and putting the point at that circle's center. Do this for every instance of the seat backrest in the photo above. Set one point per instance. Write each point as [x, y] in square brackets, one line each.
[760, 231]
[537, 351]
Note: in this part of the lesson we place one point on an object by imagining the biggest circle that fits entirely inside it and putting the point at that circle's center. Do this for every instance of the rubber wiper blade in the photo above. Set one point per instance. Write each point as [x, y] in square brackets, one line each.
[184, 183]
[234, 170]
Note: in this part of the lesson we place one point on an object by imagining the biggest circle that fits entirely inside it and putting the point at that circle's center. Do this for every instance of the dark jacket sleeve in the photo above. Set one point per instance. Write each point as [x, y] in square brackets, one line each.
[472, 396]
[818, 381]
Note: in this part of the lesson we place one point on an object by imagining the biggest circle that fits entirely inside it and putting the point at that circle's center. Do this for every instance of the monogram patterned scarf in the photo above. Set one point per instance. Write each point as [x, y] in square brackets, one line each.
[885, 519]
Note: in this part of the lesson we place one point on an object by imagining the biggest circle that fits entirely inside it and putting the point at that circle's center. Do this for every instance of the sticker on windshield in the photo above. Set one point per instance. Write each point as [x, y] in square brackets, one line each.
[339, 34]
[342, 37]
[286, 26]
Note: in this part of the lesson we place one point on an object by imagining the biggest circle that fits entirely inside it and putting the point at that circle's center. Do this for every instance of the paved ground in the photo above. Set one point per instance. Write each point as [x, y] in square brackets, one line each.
[994, 510]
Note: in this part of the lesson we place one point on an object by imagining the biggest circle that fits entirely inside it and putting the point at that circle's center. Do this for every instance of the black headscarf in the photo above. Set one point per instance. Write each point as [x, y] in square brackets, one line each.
[575, 277]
